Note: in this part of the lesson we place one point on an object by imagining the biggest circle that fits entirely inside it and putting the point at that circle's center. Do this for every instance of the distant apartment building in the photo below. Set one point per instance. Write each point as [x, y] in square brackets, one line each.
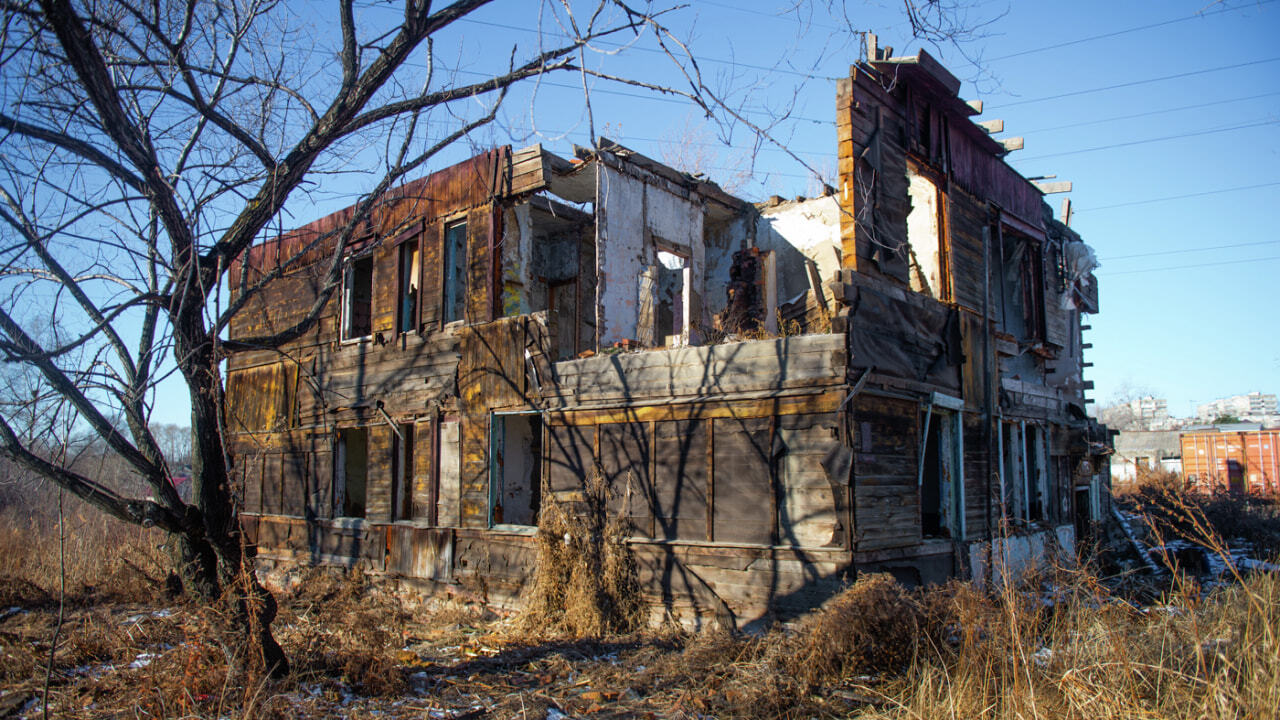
[1254, 407]
[1144, 413]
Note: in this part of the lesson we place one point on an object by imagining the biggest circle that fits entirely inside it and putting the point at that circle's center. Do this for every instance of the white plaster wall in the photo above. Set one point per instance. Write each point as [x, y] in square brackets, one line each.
[627, 207]
[517, 253]
[619, 253]
[922, 233]
[799, 231]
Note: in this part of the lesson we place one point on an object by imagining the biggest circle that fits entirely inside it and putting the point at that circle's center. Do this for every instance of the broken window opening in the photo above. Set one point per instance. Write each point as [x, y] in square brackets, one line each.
[515, 469]
[357, 298]
[1012, 478]
[351, 472]
[409, 278]
[455, 271]
[926, 236]
[941, 475]
[402, 471]
[1033, 454]
[671, 318]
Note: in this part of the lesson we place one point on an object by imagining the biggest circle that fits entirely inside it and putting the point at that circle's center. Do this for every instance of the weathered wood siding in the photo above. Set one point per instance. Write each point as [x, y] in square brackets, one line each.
[886, 495]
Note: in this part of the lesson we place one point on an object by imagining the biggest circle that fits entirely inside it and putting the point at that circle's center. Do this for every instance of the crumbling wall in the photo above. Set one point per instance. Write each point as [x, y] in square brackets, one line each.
[636, 217]
[805, 235]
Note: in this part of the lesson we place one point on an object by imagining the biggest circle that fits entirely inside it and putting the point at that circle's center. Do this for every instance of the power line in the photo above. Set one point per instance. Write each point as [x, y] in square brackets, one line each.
[1190, 250]
[1152, 140]
[1149, 113]
[1126, 31]
[1177, 197]
[1188, 267]
[1133, 83]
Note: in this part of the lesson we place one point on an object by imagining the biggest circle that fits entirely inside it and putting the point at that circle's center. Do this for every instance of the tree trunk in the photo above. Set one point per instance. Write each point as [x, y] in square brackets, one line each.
[216, 559]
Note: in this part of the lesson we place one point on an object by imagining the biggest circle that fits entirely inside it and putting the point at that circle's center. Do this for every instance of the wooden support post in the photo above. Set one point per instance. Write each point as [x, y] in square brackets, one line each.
[711, 479]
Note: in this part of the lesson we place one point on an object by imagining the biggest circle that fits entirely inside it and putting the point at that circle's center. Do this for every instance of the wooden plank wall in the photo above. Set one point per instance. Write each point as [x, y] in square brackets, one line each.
[901, 333]
[870, 130]
[967, 217]
[803, 361]
[886, 496]
[736, 472]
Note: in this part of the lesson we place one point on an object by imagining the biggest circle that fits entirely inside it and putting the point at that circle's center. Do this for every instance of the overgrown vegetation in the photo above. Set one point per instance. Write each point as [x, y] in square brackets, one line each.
[1065, 644]
[1208, 518]
[585, 584]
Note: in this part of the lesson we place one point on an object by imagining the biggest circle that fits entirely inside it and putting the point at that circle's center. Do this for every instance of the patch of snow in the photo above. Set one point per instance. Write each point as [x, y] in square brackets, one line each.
[143, 660]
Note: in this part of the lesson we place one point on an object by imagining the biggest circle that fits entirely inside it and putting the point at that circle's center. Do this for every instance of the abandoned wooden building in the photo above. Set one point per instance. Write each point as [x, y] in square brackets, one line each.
[776, 397]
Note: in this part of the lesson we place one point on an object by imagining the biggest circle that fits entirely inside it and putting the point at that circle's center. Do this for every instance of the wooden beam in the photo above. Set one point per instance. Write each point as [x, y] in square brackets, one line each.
[975, 104]
[1049, 188]
[991, 127]
[1011, 144]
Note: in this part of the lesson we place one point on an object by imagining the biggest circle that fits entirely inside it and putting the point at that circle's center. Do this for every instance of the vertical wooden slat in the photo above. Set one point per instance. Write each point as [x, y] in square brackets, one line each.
[653, 477]
[711, 480]
[775, 486]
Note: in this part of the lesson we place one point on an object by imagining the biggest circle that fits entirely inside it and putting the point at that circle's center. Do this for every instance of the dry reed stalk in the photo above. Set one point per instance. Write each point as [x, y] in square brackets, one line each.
[585, 584]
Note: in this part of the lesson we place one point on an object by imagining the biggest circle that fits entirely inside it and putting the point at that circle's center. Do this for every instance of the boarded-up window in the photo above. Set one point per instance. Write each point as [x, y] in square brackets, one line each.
[570, 458]
[680, 480]
[807, 504]
[743, 482]
[271, 469]
[293, 482]
[624, 460]
[448, 511]
[261, 399]
[320, 485]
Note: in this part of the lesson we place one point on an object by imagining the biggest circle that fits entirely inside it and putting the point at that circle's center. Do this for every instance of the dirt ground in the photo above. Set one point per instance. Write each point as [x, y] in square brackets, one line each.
[364, 655]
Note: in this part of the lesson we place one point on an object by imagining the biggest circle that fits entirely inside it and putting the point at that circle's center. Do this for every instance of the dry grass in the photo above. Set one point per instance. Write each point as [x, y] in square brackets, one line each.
[585, 584]
[1063, 646]
[1204, 517]
[105, 560]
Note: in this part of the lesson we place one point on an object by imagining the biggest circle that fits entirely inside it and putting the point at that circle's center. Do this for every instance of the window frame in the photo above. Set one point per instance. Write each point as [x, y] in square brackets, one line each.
[449, 265]
[346, 311]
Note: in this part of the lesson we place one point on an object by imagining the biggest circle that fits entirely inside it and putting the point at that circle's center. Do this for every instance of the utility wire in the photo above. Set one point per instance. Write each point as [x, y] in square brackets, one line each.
[1176, 197]
[1188, 267]
[1190, 250]
[1147, 141]
[1149, 113]
[1126, 31]
[1134, 83]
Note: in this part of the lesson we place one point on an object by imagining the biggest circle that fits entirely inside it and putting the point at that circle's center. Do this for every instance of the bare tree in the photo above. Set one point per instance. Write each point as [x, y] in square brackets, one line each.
[147, 145]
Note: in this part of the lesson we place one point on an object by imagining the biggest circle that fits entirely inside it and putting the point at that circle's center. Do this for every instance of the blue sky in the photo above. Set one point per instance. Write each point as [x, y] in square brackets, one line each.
[1176, 175]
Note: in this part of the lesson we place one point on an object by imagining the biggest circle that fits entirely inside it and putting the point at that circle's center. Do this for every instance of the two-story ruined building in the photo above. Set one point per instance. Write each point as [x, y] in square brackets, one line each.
[777, 397]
